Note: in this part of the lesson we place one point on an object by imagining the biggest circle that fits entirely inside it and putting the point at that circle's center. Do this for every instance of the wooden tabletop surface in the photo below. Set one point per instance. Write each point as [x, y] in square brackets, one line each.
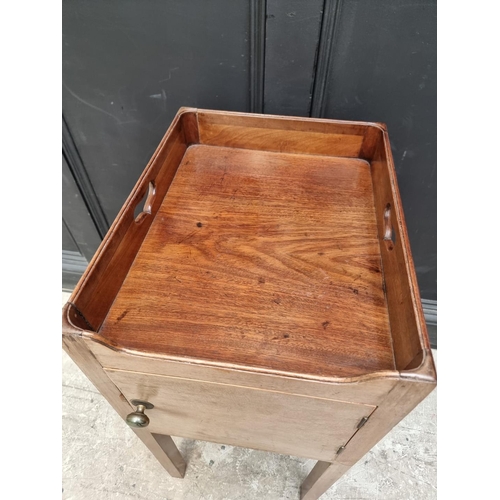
[261, 259]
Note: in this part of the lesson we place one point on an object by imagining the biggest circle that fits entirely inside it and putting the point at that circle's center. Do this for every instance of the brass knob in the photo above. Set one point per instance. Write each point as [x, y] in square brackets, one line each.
[138, 418]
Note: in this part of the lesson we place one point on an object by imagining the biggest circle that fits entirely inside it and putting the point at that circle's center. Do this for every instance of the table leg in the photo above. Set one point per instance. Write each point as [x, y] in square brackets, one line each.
[165, 451]
[161, 446]
[322, 476]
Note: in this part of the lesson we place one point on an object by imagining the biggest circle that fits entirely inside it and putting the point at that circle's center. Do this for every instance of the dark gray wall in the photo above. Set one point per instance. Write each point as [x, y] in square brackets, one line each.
[80, 238]
[292, 34]
[382, 67]
[128, 65]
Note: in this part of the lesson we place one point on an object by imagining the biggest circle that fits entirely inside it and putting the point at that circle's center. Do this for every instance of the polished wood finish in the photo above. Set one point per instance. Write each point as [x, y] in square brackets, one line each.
[319, 137]
[396, 405]
[261, 259]
[408, 328]
[274, 277]
[97, 290]
[242, 416]
[368, 389]
[161, 446]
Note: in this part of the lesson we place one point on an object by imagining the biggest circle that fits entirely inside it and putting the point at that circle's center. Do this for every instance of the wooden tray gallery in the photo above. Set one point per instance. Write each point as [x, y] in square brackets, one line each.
[257, 288]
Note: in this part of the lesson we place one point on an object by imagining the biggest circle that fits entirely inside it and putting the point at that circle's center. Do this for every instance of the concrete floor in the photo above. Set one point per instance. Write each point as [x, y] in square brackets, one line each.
[103, 459]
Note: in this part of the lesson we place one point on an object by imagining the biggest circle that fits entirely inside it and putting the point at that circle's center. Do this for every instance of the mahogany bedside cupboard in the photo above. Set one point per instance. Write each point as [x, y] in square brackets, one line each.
[264, 297]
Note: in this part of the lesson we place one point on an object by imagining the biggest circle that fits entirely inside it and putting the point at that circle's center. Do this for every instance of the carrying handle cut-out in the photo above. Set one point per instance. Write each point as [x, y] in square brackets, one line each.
[140, 214]
[389, 233]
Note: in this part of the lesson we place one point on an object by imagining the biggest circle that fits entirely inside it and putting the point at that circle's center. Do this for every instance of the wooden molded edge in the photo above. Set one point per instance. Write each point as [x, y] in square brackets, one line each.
[263, 117]
[425, 371]
[398, 403]
[371, 406]
[186, 109]
[103, 341]
[68, 328]
[102, 247]
[372, 136]
[189, 118]
[161, 446]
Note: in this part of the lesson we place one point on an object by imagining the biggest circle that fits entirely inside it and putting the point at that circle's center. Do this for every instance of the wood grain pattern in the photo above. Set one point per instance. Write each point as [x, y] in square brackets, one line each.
[396, 405]
[270, 292]
[405, 396]
[321, 477]
[189, 120]
[163, 448]
[239, 416]
[370, 389]
[261, 259]
[372, 137]
[320, 137]
[105, 274]
[408, 328]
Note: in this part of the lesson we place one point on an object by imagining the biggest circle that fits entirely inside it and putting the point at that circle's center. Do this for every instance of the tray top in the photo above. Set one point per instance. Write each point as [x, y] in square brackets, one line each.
[261, 259]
